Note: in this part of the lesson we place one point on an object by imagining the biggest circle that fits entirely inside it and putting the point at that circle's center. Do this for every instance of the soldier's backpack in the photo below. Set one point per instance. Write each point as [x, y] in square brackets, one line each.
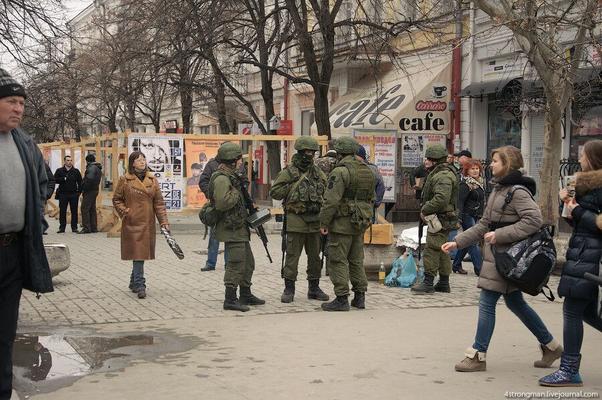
[528, 263]
[209, 215]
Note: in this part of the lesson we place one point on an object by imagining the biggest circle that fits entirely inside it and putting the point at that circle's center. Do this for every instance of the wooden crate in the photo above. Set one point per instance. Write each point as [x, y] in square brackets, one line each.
[381, 234]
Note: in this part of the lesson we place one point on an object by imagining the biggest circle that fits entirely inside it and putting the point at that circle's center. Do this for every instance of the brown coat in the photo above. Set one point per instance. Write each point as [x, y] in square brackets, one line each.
[144, 201]
[522, 212]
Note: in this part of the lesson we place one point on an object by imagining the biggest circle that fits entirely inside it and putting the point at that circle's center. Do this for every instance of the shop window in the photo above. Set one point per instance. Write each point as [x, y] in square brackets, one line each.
[504, 123]
[588, 128]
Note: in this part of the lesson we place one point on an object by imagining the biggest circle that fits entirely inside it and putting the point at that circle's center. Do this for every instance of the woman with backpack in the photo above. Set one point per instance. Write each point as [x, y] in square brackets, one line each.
[471, 200]
[583, 255]
[500, 227]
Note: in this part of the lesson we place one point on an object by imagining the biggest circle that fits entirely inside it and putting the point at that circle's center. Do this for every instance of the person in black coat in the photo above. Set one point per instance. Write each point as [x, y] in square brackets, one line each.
[471, 202]
[70, 186]
[90, 186]
[584, 254]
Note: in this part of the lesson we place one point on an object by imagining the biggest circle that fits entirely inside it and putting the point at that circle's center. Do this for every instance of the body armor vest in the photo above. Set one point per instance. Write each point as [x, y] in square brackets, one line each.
[306, 196]
[236, 217]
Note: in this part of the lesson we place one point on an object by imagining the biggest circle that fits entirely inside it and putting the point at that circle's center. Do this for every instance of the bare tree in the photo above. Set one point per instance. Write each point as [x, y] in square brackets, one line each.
[26, 23]
[541, 29]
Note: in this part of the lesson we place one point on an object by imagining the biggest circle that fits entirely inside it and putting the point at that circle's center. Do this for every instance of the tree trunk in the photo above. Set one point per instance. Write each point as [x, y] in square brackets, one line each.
[186, 101]
[112, 123]
[220, 103]
[321, 110]
[549, 175]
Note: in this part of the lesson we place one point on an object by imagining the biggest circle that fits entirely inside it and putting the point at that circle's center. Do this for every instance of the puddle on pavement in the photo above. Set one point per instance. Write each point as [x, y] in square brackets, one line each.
[43, 363]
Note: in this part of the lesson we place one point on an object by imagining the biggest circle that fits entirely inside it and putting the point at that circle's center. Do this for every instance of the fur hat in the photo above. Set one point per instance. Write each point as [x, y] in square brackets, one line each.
[9, 86]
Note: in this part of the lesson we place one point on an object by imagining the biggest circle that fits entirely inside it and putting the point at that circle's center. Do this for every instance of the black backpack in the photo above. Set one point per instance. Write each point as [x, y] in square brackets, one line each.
[528, 263]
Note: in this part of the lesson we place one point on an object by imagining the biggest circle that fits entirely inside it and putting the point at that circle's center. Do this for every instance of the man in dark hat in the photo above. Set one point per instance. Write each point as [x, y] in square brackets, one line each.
[23, 262]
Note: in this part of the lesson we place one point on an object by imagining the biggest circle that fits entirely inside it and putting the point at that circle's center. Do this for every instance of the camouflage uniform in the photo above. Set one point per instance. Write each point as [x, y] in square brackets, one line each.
[225, 193]
[346, 213]
[301, 187]
[439, 196]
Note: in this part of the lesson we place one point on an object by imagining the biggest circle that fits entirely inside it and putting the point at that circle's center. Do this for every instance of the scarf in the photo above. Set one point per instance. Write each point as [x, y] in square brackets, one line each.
[473, 183]
[302, 161]
[140, 173]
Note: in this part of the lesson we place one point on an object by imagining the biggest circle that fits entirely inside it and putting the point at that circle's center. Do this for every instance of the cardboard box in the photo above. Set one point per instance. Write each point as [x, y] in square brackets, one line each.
[381, 234]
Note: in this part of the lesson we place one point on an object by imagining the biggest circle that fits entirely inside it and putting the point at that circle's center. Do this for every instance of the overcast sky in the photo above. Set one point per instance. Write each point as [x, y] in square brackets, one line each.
[75, 6]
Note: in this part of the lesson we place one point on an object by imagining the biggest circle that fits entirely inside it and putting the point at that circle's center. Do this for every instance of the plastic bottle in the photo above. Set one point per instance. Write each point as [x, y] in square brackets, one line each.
[381, 273]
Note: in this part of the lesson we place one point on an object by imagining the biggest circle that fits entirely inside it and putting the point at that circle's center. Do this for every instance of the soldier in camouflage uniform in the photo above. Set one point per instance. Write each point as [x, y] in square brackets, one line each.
[439, 196]
[328, 162]
[345, 215]
[225, 193]
[301, 187]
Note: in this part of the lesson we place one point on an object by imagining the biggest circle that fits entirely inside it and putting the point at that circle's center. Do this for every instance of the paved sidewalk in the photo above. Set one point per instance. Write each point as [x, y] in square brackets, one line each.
[401, 347]
[95, 287]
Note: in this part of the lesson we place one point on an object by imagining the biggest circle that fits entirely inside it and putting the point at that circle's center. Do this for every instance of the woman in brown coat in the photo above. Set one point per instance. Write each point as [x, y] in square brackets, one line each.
[520, 219]
[137, 200]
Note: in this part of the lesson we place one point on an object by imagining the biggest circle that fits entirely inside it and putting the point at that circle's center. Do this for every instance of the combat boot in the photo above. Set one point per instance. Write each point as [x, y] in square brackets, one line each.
[289, 291]
[314, 292]
[248, 298]
[424, 287]
[549, 353]
[340, 303]
[443, 284]
[231, 302]
[566, 375]
[474, 361]
[359, 300]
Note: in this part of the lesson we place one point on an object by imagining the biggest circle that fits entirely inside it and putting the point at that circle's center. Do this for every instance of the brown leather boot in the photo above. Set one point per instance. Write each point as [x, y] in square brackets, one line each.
[474, 361]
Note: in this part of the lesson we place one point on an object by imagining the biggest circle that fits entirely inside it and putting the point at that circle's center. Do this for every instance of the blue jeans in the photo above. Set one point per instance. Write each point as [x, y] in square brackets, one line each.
[468, 222]
[450, 238]
[516, 304]
[213, 250]
[137, 277]
[575, 312]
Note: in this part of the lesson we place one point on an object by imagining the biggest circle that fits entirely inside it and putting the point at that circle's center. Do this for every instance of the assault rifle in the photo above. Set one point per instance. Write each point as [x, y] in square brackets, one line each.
[256, 218]
[283, 245]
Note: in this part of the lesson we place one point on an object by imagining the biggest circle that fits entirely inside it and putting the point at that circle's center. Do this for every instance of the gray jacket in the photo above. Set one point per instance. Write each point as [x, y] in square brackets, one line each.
[521, 219]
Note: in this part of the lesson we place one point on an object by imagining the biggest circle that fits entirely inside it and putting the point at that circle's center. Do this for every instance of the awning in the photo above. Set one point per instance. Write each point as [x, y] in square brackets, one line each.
[414, 99]
[478, 89]
[581, 76]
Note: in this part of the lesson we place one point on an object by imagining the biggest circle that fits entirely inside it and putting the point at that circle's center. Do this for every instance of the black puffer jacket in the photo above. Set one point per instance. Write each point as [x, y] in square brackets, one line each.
[585, 245]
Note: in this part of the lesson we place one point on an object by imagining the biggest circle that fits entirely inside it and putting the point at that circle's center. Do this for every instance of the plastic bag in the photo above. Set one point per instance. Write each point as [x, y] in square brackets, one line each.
[403, 273]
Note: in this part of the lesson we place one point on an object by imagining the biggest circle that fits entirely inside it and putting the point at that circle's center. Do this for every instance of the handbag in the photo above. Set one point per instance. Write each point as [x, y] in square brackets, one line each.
[528, 263]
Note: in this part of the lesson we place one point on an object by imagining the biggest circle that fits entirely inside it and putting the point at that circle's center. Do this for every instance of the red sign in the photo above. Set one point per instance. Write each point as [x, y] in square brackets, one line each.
[286, 127]
[431, 105]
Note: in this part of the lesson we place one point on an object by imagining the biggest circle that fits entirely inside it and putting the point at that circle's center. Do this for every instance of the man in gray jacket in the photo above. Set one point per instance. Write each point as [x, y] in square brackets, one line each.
[23, 262]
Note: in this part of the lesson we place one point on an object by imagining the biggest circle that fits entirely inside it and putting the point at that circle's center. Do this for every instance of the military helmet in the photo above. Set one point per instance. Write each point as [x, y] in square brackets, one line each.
[346, 145]
[307, 143]
[436, 152]
[229, 152]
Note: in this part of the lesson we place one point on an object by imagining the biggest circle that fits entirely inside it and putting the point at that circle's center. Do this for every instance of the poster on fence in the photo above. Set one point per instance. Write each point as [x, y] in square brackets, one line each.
[385, 149]
[164, 158]
[198, 153]
[414, 145]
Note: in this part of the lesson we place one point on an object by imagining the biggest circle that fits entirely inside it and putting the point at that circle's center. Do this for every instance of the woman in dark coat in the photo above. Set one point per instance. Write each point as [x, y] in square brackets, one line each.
[584, 254]
[138, 200]
[503, 227]
[471, 201]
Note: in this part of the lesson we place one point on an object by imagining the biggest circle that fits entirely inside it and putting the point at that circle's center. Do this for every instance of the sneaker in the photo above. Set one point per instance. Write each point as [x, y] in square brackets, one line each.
[207, 268]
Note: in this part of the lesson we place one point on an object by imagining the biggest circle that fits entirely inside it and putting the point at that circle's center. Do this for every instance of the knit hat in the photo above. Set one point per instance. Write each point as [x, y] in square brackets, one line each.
[9, 86]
